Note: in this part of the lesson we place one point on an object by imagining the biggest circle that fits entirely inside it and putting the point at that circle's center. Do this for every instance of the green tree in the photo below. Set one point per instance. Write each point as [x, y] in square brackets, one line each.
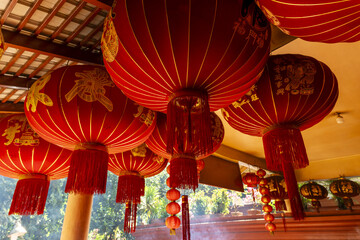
[220, 201]
[199, 203]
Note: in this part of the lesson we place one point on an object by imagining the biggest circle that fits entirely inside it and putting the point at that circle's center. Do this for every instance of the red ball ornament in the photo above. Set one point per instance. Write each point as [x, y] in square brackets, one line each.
[263, 190]
[167, 169]
[79, 108]
[271, 110]
[266, 199]
[271, 227]
[261, 173]
[172, 222]
[200, 164]
[32, 160]
[263, 182]
[267, 208]
[328, 21]
[269, 217]
[185, 58]
[173, 208]
[173, 194]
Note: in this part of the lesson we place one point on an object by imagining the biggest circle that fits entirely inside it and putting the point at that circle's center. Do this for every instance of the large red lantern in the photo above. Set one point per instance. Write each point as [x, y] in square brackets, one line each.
[328, 21]
[132, 167]
[183, 175]
[79, 108]
[185, 58]
[32, 160]
[294, 93]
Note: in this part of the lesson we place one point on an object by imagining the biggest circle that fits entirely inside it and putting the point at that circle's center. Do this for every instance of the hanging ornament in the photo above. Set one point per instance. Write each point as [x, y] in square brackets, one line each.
[277, 191]
[294, 93]
[328, 21]
[173, 208]
[79, 108]
[266, 199]
[345, 189]
[251, 180]
[132, 167]
[185, 58]
[183, 168]
[32, 160]
[200, 165]
[314, 192]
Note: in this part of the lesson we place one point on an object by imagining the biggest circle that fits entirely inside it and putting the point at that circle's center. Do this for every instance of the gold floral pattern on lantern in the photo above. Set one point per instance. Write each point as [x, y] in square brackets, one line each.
[139, 151]
[158, 159]
[34, 95]
[90, 87]
[146, 118]
[109, 40]
[17, 125]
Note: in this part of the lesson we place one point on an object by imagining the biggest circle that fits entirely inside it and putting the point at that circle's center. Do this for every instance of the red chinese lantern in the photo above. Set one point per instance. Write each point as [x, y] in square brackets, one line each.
[32, 160]
[79, 108]
[277, 191]
[294, 93]
[345, 189]
[185, 58]
[328, 21]
[183, 175]
[2, 43]
[251, 179]
[314, 192]
[132, 167]
[172, 222]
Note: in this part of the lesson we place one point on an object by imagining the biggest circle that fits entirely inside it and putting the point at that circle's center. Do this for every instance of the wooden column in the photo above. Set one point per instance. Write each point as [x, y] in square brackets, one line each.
[77, 217]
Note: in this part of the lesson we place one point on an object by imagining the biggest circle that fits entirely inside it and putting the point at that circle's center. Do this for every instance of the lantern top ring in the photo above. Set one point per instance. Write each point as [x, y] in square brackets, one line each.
[276, 126]
[189, 92]
[34, 176]
[129, 173]
[91, 146]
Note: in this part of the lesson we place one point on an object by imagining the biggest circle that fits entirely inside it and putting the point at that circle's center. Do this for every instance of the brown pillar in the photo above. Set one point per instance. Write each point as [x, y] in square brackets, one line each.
[77, 217]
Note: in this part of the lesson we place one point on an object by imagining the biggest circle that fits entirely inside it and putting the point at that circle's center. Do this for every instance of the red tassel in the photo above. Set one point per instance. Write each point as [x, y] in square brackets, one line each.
[280, 205]
[127, 217]
[88, 172]
[293, 191]
[130, 188]
[133, 217]
[286, 142]
[284, 221]
[30, 195]
[185, 218]
[189, 123]
[183, 173]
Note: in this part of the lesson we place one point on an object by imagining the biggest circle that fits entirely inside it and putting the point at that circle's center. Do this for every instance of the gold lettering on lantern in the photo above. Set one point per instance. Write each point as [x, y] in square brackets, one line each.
[271, 186]
[109, 39]
[34, 96]
[249, 97]
[217, 129]
[139, 151]
[90, 87]
[146, 118]
[295, 78]
[346, 187]
[158, 159]
[283, 184]
[17, 124]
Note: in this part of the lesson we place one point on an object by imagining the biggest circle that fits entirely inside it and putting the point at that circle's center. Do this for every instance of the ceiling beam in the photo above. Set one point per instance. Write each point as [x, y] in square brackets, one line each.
[103, 4]
[33, 44]
[11, 108]
[14, 82]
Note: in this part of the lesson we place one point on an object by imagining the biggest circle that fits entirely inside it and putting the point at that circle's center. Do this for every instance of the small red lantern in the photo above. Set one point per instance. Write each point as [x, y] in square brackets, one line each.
[327, 21]
[132, 167]
[267, 208]
[269, 217]
[251, 180]
[271, 227]
[32, 160]
[345, 189]
[277, 191]
[173, 194]
[79, 108]
[271, 110]
[314, 192]
[173, 208]
[172, 222]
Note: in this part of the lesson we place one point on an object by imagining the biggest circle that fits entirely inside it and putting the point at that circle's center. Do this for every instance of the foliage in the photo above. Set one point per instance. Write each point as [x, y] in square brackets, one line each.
[199, 204]
[220, 201]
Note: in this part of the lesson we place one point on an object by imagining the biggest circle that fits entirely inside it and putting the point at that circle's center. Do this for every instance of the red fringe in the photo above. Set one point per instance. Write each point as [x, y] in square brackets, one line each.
[284, 143]
[189, 123]
[284, 221]
[293, 191]
[280, 205]
[130, 188]
[185, 218]
[88, 172]
[29, 197]
[183, 173]
[130, 217]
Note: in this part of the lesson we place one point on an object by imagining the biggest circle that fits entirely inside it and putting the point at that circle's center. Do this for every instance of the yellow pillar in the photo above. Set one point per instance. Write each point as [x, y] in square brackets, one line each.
[77, 217]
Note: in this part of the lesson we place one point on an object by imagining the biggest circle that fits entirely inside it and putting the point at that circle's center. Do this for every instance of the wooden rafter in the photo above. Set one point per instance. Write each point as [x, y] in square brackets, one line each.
[12, 61]
[29, 14]
[41, 66]
[27, 64]
[88, 19]
[58, 64]
[9, 96]
[50, 16]
[92, 34]
[33, 44]
[20, 97]
[8, 10]
[14, 82]
[104, 4]
[68, 20]
[11, 108]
